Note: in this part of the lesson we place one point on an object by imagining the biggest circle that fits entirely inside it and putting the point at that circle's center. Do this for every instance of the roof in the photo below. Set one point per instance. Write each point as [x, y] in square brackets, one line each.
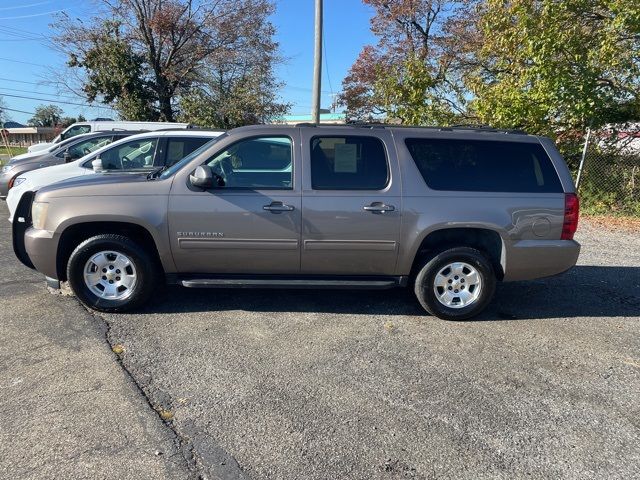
[372, 126]
[179, 133]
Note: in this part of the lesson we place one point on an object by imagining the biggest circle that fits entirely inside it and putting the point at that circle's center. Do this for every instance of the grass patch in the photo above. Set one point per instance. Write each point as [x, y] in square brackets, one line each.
[14, 151]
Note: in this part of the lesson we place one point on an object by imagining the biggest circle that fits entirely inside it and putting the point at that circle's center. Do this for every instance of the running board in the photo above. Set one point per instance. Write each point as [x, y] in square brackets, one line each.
[352, 283]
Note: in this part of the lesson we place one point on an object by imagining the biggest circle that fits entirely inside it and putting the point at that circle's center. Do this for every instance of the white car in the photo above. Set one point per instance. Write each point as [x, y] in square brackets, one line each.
[138, 153]
[104, 125]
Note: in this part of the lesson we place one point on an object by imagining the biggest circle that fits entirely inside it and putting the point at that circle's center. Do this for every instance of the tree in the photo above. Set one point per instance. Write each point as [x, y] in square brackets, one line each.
[550, 66]
[240, 93]
[46, 116]
[151, 53]
[408, 74]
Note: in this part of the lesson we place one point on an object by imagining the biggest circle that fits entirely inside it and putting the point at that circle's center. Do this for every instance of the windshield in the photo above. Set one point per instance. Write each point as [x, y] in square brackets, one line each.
[177, 166]
[62, 144]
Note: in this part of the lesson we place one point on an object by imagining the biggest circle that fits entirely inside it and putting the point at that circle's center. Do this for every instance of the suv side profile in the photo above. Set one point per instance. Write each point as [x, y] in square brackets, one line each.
[449, 211]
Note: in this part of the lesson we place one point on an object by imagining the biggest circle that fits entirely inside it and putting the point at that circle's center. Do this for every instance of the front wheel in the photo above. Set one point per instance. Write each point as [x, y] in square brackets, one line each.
[111, 273]
[456, 284]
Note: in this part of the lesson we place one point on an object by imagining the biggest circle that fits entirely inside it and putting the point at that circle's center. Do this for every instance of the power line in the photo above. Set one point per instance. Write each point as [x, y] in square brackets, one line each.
[25, 63]
[19, 111]
[53, 101]
[25, 6]
[44, 93]
[19, 81]
[32, 15]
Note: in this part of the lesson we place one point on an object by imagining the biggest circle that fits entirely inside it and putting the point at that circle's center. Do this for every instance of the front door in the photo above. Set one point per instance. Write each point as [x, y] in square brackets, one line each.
[351, 203]
[250, 223]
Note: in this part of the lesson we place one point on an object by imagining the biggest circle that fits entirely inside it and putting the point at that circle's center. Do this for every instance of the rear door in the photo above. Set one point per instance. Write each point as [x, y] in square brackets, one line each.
[250, 223]
[351, 203]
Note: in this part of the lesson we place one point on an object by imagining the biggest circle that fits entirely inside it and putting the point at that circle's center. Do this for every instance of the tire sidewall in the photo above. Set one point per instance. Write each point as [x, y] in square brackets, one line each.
[425, 280]
[84, 251]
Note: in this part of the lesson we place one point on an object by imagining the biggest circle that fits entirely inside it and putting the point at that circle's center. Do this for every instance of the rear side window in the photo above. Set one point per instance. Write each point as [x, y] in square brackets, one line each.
[180, 147]
[75, 130]
[348, 163]
[484, 166]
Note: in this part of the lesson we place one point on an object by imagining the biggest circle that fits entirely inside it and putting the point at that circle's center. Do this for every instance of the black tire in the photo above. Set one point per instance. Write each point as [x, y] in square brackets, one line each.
[148, 272]
[424, 283]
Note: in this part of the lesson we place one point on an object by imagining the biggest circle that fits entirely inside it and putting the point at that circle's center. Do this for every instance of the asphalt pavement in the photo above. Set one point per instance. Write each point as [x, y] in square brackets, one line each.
[325, 384]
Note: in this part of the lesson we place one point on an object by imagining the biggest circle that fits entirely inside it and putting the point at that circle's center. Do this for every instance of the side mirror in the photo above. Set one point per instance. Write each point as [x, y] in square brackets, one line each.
[97, 165]
[67, 156]
[202, 177]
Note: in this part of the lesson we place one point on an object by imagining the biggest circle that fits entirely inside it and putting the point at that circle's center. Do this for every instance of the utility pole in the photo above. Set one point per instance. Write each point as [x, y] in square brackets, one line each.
[317, 65]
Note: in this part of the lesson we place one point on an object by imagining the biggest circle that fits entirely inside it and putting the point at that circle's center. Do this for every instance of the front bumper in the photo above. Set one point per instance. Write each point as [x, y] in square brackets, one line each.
[41, 247]
[531, 259]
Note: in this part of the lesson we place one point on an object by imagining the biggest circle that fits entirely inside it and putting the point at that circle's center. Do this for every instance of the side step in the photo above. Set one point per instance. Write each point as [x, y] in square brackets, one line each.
[334, 282]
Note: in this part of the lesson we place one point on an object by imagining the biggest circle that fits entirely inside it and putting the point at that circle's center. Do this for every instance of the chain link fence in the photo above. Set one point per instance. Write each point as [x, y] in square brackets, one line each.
[608, 178]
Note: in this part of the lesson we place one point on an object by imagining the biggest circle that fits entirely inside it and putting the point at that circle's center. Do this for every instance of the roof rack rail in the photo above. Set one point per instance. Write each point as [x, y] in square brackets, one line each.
[452, 128]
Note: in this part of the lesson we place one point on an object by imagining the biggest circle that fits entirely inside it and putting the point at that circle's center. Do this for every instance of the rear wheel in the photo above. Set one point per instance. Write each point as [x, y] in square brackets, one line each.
[456, 284]
[111, 273]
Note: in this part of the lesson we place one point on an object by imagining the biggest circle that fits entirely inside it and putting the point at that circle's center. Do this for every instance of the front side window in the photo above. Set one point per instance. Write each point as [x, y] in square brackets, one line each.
[178, 148]
[75, 130]
[133, 155]
[256, 163]
[484, 165]
[348, 163]
[85, 147]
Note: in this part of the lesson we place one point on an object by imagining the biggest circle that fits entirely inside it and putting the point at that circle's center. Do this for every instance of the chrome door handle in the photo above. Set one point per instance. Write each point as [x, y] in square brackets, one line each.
[378, 207]
[277, 207]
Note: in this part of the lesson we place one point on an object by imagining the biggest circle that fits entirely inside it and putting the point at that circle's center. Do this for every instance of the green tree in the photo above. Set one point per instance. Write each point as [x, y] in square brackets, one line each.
[408, 75]
[143, 56]
[46, 116]
[114, 72]
[550, 66]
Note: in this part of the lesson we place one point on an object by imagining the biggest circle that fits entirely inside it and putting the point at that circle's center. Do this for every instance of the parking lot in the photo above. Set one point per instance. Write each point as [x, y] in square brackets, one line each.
[327, 384]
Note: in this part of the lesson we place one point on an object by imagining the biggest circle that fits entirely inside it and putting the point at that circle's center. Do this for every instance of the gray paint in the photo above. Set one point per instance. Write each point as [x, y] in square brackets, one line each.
[327, 232]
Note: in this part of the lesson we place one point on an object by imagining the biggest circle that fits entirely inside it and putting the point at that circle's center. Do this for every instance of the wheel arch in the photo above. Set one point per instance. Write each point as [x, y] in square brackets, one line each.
[75, 234]
[486, 240]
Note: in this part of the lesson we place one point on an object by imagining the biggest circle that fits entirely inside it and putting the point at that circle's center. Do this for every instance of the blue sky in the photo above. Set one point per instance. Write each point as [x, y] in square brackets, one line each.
[26, 60]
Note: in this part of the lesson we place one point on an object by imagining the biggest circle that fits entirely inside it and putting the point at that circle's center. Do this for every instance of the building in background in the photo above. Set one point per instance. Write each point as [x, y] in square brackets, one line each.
[23, 136]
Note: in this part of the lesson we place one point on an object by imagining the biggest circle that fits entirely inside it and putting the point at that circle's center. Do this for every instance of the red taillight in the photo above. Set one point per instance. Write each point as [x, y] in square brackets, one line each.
[571, 213]
[10, 186]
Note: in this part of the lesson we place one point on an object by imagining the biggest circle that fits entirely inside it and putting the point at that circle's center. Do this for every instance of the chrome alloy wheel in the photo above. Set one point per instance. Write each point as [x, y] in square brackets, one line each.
[110, 275]
[457, 285]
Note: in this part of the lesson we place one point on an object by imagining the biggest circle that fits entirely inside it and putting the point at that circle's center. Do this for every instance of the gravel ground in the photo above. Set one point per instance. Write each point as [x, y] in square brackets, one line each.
[351, 384]
[300, 384]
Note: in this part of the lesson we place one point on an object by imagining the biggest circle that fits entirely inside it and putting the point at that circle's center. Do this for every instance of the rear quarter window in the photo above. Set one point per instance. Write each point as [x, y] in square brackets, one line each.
[484, 165]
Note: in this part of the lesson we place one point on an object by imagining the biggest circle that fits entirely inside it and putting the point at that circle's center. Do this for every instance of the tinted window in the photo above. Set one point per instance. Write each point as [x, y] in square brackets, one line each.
[348, 163]
[255, 163]
[85, 147]
[131, 155]
[178, 148]
[484, 166]
[75, 130]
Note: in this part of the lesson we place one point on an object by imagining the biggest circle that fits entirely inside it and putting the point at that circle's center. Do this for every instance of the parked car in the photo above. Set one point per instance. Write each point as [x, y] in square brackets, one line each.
[73, 149]
[137, 153]
[448, 211]
[105, 125]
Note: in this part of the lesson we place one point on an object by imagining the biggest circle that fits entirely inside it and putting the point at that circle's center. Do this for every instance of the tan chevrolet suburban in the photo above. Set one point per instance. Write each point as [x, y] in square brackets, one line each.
[448, 211]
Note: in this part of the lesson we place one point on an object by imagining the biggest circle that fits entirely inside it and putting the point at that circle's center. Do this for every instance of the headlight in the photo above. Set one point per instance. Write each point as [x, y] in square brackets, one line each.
[18, 181]
[8, 168]
[39, 214]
